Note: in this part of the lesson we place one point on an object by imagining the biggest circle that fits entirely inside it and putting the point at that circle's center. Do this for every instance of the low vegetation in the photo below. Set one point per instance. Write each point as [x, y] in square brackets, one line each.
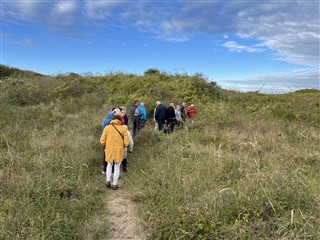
[246, 168]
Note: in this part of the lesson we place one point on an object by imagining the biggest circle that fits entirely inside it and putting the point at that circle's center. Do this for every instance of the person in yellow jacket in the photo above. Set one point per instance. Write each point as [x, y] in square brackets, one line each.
[115, 139]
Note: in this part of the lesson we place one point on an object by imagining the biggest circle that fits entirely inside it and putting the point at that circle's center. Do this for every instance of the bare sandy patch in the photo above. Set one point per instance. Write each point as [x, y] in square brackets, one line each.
[124, 224]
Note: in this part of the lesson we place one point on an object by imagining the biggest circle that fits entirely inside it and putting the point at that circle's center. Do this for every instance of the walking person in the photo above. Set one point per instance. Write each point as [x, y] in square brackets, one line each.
[127, 150]
[183, 111]
[124, 117]
[143, 115]
[115, 139]
[134, 118]
[105, 123]
[171, 118]
[156, 126]
[191, 112]
[160, 115]
[178, 115]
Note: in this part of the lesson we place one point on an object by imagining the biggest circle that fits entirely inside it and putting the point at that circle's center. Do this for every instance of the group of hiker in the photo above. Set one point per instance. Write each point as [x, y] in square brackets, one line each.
[168, 118]
[117, 140]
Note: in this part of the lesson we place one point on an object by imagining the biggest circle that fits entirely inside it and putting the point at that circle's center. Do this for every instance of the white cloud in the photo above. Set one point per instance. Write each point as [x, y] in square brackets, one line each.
[235, 47]
[23, 11]
[101, 10]
[276, 83]
[62, 8]
[63, 17]
[290, 28]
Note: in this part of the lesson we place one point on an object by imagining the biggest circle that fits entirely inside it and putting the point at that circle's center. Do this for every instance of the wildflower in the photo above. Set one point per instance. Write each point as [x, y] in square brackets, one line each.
[35, 197]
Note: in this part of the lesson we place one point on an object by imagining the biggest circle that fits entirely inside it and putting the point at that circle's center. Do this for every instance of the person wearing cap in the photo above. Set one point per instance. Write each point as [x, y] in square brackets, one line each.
[114, 139]
[191, 112]
[160, 115]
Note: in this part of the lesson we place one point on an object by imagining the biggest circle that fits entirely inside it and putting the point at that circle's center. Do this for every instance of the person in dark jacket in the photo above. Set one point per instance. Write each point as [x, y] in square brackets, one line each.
[171, 118]
[160, 115]
[183, 111]
[134, 119]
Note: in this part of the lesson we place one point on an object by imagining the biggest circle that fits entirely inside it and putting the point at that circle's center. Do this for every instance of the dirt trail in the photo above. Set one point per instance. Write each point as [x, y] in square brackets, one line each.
[117, 219]
[124, 224]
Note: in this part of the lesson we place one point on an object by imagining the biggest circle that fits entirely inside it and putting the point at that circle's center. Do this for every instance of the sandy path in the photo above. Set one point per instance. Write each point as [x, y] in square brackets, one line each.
[123, 222]
[117, 219]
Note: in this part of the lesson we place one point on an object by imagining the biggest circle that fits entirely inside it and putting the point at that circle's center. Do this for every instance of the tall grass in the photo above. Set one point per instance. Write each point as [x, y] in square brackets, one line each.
[49, 180]
[247, 168]
[236, 175]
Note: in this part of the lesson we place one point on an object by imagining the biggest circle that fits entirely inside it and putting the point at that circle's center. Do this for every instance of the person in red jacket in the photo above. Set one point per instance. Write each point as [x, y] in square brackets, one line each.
[191, 112]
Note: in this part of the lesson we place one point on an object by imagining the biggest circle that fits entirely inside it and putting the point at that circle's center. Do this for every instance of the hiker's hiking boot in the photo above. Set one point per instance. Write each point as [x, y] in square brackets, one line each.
[115, 187]
[108, 184]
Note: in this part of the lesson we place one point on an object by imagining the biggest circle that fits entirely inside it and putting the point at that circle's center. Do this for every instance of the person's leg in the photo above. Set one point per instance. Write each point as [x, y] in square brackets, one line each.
[104, 163]
[108, 175]
[160, 125]
[135, 128]
[172, 125]
[124, 165]
[116, 175]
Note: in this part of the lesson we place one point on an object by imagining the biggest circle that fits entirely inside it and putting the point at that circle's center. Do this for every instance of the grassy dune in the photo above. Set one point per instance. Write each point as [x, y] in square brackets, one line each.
[247, 168]
[248, 176]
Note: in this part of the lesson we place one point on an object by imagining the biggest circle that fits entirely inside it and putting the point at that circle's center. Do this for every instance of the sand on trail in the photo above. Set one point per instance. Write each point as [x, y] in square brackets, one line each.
[117, 218]
[121, 216]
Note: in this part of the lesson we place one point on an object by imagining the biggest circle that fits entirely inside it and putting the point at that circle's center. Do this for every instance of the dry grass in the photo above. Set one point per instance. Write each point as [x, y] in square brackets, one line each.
[248, 168]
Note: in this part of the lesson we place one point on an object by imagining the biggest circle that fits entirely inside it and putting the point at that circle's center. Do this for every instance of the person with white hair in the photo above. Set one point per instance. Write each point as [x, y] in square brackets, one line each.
[160, 115]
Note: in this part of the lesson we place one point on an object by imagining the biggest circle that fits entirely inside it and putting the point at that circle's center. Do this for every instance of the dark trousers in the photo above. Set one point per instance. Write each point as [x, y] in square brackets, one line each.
[142, 122]
[135, 127]
[171, 124]
[124, 164]
[104, 161]
[160, 124]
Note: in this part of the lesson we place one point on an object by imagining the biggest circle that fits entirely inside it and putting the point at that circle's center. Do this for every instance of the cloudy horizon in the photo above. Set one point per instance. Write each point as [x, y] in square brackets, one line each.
[245, 44]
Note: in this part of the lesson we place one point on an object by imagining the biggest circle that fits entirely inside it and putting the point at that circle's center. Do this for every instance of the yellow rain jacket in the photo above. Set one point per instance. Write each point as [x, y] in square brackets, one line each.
[113, 142]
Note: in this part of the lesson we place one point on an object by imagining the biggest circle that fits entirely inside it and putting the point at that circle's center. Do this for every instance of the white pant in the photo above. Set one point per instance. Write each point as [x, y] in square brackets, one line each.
[115, 174]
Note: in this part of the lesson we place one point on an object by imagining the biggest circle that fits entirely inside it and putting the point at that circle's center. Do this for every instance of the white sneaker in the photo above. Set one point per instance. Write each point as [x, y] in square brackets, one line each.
[103, 172]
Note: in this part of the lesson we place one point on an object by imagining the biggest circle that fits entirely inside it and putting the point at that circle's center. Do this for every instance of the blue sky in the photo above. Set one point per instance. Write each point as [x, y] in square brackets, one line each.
[270, 46]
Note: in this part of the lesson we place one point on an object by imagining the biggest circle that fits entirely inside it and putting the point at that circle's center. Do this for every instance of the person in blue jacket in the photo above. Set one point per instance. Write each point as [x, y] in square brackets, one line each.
[143, 115]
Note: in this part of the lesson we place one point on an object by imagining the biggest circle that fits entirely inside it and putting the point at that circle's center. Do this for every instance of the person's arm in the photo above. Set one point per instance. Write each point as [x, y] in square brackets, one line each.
[125, 138]
[145, 114]
[131, 144]
[156, 114]
[103, 137]
[126, 120]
